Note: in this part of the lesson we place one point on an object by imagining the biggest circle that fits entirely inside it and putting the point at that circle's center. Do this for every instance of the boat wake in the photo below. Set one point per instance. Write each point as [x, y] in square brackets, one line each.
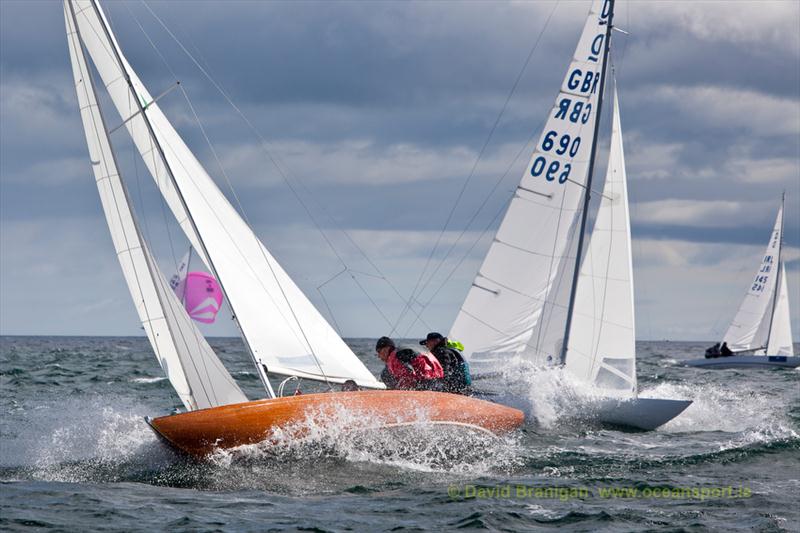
[552, 399]
[108, 441]
[344, 434]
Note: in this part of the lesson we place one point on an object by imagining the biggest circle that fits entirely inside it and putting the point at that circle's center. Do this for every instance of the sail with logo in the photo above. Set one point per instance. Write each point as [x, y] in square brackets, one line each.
[537, 297]
[200, 293]
[282, 331]
[760, 335]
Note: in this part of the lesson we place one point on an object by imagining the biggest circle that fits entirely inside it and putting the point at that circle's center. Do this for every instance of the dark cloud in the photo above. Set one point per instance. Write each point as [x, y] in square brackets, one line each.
[380, 109]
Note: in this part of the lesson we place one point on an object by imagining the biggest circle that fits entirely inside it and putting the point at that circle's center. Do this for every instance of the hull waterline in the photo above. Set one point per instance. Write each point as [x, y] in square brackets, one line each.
[746, 361]
[639, 413]
[200, 433]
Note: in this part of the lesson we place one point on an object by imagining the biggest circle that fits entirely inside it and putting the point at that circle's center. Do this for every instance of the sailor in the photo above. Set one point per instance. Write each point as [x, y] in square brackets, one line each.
[725, 351]
[456, 370]
[350, 386]
[712, 352]
[406, 368]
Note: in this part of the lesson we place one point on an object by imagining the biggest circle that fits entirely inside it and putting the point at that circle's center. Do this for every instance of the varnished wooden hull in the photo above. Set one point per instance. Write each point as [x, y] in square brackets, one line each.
[199, 433]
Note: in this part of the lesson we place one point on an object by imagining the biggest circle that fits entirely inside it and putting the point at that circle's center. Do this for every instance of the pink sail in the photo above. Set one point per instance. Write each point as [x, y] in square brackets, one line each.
[202, 297]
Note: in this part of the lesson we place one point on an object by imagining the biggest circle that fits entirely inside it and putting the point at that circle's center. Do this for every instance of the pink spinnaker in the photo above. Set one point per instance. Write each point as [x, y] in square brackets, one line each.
[202, 297]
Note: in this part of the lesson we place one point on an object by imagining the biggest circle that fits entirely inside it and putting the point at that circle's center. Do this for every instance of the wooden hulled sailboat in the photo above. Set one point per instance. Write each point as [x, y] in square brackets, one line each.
[282, 331]
[760, 335]
[539, 296]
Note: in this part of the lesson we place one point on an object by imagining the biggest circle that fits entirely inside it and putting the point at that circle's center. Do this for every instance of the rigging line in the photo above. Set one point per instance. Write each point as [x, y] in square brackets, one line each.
[265, 147]
[553, 286]
[355, 280]
[503, 207]
[461, 261]
[116, 56]
[556, 272]
[777, 277]
[587, 196]
[478, 159]
[241, 208]
[195, 332]
[126, 196]
[170, 89]
[330, 312]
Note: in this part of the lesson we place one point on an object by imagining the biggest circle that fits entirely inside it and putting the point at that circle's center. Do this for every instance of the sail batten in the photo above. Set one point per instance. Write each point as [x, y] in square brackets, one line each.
[276, 319]
[193, 369]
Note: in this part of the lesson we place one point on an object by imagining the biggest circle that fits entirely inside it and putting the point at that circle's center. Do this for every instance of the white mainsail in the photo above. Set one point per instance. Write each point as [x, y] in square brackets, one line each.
[750, 329]
[518, 302]
[285, 332]
[195, 372]
[601, 348]
[780, 334]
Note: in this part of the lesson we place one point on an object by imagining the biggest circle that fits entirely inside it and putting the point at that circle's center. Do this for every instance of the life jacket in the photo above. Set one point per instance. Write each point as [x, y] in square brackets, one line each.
[456, 369]
[409, 369]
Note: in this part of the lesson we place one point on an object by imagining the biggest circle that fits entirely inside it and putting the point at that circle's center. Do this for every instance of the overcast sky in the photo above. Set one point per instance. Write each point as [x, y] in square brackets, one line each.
[377, 112]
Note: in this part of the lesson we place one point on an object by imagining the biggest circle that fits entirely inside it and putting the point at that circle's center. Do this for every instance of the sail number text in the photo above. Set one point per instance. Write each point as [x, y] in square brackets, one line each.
[762, 277]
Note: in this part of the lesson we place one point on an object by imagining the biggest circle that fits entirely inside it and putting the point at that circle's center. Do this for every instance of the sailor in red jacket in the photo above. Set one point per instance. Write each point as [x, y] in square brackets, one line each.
[408, 369]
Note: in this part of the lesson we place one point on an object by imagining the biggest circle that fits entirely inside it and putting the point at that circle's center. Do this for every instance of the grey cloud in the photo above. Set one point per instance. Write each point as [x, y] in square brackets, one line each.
[379, 108]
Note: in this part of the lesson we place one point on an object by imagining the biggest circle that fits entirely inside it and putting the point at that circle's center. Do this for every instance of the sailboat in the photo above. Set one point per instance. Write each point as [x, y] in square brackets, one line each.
[283, 332]
[760, 335]
[537, 298]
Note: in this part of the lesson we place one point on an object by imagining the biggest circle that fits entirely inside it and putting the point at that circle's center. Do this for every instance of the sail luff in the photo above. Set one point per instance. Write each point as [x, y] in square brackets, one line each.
[283, 329]
[588, 189]
[168, 329]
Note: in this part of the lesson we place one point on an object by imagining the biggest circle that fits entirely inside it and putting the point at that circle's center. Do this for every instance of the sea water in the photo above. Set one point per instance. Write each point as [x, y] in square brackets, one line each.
[76, 454]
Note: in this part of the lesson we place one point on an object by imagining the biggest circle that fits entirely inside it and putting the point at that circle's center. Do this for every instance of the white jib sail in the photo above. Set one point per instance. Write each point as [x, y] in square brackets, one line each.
[194, 370]
[750, 327]
[521, 280]
[284, 330]
[601, 348]
[780, 335]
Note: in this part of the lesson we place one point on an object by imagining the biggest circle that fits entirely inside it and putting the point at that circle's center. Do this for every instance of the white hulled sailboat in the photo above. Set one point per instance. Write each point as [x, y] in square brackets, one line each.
[760, 335]
[537, 296]
[282, 331]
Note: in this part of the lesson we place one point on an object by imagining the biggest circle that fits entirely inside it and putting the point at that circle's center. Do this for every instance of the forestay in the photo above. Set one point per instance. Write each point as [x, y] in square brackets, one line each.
[750, 328]
[193, 369]
[517, 304]
[284, 331]
[601, 347]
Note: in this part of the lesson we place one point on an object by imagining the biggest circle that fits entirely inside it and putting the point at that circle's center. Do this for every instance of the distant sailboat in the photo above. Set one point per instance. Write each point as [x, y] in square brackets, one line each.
[282, 331]
[537, 297]
[760, 335]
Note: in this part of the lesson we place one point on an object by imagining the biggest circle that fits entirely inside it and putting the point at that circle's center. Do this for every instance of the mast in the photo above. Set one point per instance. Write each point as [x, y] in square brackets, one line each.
[588, 185]
[778, 277]
[162, 156]
[124, 189]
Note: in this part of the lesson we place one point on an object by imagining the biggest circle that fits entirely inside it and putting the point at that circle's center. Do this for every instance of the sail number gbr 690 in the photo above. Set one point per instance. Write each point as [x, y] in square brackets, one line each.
[562, 146]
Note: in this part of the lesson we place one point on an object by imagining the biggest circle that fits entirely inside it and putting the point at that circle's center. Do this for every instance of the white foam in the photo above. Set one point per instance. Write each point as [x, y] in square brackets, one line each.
[148, 380]
[86, 435]
[420, 446]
